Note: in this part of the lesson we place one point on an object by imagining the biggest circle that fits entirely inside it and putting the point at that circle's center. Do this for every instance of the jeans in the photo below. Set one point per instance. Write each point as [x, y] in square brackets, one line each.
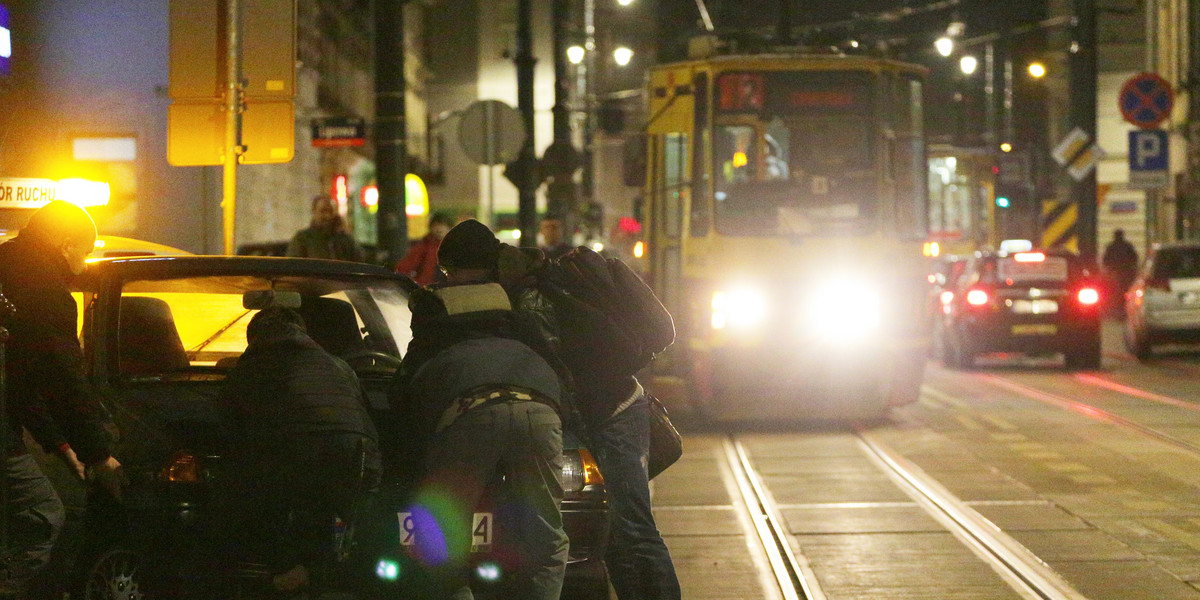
[639, 564]
[36, 517]
[523, 440]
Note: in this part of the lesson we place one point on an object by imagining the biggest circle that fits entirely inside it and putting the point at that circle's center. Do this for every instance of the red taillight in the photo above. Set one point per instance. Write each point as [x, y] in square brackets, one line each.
[1029, 257]
[1088, 296]
[977, 297]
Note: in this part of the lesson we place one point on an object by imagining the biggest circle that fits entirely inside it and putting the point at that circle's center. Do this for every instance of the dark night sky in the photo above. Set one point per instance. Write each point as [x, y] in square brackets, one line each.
[980, 16]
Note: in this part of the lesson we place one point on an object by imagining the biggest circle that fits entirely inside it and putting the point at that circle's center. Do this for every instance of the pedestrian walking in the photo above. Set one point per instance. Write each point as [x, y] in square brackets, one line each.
[421, 263]
[485, 404]
[1120, 261]
[326, 236]
[45, 375]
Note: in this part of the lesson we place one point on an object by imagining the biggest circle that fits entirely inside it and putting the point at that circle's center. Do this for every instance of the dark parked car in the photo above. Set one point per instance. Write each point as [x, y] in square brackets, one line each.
[1035, 302]
[159, 336]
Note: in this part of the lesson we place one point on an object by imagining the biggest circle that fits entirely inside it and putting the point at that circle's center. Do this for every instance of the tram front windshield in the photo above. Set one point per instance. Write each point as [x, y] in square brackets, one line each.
[793, 153]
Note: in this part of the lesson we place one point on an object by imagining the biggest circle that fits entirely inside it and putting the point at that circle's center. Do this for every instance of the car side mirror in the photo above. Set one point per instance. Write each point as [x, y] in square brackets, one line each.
[260, 299]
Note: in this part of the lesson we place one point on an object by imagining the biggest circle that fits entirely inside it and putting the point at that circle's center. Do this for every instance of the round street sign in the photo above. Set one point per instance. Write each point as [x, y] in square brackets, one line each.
[491, 132]
[1146, 100]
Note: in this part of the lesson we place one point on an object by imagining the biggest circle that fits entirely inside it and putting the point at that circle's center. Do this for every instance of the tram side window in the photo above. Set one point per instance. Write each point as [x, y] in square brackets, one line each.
[700, 212]
[675, 150]
[908, 162]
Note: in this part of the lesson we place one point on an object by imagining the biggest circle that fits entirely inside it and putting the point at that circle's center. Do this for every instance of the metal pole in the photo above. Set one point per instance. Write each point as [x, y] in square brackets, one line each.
[560, 192]
[989, 94]
[233, 120]
[527, 181]
[489, 126]
[1009, 133]
[1083, 115]
[391, 134]
[784, 32]
[1191, 197]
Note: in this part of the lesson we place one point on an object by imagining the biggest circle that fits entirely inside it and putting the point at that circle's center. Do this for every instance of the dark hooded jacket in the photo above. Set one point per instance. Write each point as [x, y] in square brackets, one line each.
[465, 339]
[47, 389]
[286, 394]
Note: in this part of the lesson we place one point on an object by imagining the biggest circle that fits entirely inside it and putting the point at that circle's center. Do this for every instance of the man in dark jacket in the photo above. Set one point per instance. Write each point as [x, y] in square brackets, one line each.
[302, 443]
[483, 404]
[326, 236]
[616, 416]
[1120, 260]
[47, 388]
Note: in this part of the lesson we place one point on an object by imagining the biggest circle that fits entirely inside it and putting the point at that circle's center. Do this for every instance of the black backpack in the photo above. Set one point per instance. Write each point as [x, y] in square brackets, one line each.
[610, 322]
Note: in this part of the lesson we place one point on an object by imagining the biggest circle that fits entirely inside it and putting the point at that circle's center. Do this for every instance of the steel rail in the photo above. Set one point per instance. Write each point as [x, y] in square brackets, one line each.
[1024, 571]
[1091, 411]
[791, 571]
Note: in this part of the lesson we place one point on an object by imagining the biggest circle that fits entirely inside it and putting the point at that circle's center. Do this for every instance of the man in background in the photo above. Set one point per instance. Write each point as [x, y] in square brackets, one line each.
[326, 236]
[553, 242]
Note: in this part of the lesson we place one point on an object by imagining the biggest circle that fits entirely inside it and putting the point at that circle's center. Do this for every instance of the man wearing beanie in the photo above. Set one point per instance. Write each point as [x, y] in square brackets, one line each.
[481, 401]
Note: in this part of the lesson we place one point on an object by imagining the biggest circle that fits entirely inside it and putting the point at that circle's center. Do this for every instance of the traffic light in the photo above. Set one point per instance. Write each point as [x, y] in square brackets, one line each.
[1002, 200]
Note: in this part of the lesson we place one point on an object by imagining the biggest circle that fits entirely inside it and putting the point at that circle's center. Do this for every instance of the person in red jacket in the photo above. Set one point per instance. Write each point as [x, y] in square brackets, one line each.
[421, 261]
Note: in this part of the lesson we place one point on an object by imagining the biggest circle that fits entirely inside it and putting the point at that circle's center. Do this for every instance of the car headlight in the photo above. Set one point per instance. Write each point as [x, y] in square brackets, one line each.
[739, 308]
[845, 309]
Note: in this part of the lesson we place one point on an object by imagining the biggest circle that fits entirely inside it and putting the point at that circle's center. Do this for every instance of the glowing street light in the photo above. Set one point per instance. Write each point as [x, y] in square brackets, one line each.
[944, 46]
[622, 55]
[575, 54]
[1037, 70]
[624, 2]
[968, 64]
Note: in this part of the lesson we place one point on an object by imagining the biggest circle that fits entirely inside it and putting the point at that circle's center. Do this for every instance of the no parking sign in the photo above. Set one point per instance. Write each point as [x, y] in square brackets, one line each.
[1146, 100]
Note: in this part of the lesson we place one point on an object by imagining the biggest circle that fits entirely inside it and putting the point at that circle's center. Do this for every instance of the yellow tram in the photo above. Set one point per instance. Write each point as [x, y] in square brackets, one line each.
[786, 206]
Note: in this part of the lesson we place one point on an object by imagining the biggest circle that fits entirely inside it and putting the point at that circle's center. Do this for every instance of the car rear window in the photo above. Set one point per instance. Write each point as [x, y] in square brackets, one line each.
[1177, 263]
[1016, 270]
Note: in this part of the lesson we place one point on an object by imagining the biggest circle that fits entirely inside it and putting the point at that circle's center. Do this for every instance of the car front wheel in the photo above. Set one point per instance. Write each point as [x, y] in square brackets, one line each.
[116, 574]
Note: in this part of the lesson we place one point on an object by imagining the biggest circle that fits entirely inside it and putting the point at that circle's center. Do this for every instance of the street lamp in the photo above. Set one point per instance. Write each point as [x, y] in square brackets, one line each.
[944, 46]
[968, 64]
[624, 2]
[575, 54]
[622, 55]
[1037, 70]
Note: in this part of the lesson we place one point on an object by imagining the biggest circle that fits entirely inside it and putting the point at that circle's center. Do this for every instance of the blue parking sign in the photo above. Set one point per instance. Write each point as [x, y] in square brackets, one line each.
[1149, 156]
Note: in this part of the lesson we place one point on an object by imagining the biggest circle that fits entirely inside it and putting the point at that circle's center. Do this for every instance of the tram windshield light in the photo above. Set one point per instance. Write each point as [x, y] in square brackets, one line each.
[1029, 257]
[977, 297]
[1088, 296]
[740, 308]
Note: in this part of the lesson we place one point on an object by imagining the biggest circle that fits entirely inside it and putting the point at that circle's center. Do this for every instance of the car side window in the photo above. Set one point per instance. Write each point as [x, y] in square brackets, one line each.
[171, 331]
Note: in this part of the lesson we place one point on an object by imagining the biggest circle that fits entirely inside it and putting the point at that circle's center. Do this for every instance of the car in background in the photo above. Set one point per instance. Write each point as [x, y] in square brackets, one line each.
[160, 334]
[944, 272]
[1034, 302]
[1163, 304]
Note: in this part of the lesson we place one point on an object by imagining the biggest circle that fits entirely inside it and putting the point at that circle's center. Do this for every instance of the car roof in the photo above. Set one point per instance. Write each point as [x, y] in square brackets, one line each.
[167, 267]
[1177, 246]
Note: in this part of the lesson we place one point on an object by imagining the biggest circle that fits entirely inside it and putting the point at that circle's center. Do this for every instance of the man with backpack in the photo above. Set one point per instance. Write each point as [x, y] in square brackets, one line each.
[482, 403]
[604, 325]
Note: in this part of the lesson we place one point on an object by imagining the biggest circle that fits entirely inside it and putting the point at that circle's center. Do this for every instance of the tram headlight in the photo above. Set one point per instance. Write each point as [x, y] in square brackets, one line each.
[739, 308]
[845, 310]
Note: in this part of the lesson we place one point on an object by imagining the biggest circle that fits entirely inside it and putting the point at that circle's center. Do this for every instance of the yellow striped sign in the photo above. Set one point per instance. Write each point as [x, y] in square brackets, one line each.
[1058, 225]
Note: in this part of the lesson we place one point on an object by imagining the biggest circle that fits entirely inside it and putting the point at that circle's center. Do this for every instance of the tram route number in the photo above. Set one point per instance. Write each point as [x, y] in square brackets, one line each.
[481, 529]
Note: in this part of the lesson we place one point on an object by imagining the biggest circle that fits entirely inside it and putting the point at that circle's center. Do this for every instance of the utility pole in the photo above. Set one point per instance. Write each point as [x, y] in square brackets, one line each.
[1191, 198]
[391, 135]
[1083, 115]
[526, 166]
[233, 121]
[561, 158]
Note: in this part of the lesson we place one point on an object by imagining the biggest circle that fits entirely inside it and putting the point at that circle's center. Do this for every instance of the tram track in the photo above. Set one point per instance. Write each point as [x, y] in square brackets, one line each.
[1028, 575]
[1100, 414]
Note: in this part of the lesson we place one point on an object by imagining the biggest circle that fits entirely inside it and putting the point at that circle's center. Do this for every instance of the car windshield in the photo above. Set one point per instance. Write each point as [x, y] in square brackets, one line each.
[792, 153]
[1177, 263]
[199, 323]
